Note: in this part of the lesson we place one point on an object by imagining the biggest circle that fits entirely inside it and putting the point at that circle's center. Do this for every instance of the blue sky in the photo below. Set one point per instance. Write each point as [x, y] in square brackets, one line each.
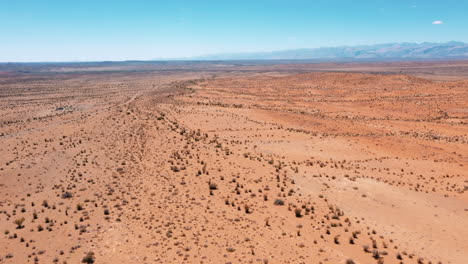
[84, 30]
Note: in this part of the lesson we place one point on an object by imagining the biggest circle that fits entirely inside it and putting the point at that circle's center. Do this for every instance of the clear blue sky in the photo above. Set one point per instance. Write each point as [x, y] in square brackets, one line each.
[68, 30]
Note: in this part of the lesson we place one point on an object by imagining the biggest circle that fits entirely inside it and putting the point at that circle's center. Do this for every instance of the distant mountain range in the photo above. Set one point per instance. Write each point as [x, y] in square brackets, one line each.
[426, 50]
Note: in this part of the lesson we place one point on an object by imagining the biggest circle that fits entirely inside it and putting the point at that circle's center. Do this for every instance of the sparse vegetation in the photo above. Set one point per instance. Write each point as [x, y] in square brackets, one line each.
[311, 163]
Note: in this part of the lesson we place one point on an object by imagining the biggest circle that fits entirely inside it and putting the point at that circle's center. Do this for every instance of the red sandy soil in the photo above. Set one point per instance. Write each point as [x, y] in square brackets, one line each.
[253, 168]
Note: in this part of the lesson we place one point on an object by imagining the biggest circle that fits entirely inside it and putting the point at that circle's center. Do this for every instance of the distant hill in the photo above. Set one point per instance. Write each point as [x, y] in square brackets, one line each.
[424, 50]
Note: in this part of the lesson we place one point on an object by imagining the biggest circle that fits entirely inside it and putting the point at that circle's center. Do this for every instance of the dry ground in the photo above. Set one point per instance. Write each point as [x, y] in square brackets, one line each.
[182, 167]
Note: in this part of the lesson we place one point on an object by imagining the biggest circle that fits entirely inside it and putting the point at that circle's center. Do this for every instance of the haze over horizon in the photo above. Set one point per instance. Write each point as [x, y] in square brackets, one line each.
[143, 30]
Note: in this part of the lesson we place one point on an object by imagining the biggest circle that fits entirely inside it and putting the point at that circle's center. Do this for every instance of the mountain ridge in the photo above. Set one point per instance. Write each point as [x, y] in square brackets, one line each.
[404, 50]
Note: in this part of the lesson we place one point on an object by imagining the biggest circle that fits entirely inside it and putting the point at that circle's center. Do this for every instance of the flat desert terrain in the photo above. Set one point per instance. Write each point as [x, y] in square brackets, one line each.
[290, 163]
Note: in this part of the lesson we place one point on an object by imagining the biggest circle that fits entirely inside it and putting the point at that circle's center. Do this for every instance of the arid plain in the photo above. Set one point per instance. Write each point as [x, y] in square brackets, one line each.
[216, 163]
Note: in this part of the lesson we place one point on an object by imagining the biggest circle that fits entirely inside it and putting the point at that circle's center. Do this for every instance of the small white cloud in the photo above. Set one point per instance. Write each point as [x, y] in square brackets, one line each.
[413, 6]
[437, 22]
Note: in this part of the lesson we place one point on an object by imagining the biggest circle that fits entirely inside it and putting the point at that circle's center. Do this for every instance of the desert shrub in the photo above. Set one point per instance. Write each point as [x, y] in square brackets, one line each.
[398, 256]
[19, 222]
[336, 239]
[89, 258]
[67, 195]
[247, 209]
[375, 254]
[366, 248]
[298, 212]
[230, 249]
[213, 186]
[279, 202]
